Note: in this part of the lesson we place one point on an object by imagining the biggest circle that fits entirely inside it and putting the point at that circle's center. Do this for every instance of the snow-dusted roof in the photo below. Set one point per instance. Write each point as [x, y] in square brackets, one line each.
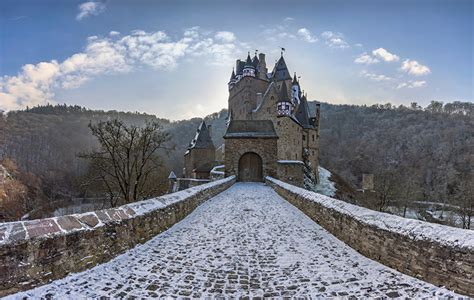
[250, 129]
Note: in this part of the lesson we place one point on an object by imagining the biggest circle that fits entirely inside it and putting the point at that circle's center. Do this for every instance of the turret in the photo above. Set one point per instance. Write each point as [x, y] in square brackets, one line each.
[280, 71]
[249, 69]
[232, 80]
[295, 91]
[284, 105]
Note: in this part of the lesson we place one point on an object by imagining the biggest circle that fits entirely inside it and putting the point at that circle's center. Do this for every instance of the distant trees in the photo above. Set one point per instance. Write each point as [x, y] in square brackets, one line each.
[19, 191]
[415, 153]
[127, 158]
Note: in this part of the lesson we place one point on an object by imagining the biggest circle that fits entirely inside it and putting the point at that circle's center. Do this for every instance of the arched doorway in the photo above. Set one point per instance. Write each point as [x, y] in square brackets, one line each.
[250, 167]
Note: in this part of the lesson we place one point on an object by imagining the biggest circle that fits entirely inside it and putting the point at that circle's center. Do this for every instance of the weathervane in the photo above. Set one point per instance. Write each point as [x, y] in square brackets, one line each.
[282, 50]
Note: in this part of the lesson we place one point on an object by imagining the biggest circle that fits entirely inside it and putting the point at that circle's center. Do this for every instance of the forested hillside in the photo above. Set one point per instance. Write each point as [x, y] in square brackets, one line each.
[415, 153]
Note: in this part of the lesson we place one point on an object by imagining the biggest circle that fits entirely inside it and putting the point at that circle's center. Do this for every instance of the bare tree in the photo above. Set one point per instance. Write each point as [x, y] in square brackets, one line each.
[127, 158]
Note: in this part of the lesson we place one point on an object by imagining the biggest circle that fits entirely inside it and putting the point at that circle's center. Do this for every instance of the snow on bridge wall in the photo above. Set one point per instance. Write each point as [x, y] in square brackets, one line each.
[435, 253]
[38, 251]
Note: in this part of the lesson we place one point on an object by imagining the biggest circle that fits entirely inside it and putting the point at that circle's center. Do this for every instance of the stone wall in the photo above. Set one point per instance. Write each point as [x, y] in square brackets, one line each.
[265, 148]
[438, 254]
[291, 171]
[36, 252]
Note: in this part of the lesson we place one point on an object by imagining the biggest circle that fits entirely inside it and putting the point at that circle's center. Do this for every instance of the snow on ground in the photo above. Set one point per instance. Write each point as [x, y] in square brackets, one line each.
[325, 186]
[246, 241]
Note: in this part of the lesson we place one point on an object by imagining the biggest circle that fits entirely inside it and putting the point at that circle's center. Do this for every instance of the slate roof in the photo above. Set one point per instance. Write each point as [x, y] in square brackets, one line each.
[255, 61]
[251, 129]
[249, 63]
[283, 97]
[280, 71]
[202, 139]
[302, 114]
[240, 67]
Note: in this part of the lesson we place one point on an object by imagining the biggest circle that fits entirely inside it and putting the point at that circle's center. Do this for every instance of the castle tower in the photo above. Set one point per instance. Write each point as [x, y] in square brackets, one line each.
[249, 68]
[201, 154]
[280, 71]
[295, 92]
[262, 67]
[232, 80]
[284, 105]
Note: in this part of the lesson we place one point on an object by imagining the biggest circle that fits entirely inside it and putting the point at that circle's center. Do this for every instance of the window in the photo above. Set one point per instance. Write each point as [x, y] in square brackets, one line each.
[304, 137]
[268, 109]
[313, 137]
[313, 152]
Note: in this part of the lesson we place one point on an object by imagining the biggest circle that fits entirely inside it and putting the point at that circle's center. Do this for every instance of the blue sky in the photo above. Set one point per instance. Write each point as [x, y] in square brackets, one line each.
[174, 58]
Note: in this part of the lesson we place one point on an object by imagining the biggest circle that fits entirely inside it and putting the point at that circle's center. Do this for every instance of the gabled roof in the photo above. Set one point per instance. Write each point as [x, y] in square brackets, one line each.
[280, 71]
[202, 139]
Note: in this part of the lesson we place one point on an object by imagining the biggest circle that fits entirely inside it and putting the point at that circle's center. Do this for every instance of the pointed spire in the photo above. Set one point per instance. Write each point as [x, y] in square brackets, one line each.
[249, 60]
[255, 60]
[295, 80]
[280, 71]
[283, 93]
[232, 76]
[202, 139]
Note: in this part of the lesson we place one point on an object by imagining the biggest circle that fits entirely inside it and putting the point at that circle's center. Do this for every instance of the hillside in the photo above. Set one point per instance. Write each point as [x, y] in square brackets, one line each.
[415, 153]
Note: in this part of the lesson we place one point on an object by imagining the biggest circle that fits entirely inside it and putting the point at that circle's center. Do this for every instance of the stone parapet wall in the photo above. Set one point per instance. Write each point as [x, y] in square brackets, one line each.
[36, 252]
[438, 254]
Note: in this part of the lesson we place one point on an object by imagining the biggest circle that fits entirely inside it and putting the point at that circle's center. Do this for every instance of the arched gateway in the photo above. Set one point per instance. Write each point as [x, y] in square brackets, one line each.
[250, 167]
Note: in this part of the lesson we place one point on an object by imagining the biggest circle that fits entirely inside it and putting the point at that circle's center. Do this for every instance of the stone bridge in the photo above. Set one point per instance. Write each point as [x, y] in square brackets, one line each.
[234, 240]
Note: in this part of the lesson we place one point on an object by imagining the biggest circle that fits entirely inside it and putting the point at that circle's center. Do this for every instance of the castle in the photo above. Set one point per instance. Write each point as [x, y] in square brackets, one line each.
[271, 131]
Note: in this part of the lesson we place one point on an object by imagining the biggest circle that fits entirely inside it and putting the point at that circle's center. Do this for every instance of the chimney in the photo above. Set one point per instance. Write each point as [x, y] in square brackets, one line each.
[237, 64]
[261, 59]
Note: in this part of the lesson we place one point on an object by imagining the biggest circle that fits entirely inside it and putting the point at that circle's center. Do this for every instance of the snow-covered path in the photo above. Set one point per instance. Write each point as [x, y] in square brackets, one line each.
[246, 241]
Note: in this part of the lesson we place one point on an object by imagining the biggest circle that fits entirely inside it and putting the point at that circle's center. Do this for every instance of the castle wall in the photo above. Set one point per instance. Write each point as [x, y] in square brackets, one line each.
[441, 255]
[311, 141]
[265, 148]
[197, 157]
[291, 172]
[36, 252]
[290, 134]
[243, 97]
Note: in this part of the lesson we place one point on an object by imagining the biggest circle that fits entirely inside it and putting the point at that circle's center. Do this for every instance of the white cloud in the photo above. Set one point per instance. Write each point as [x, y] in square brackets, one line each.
[278, 32]
[366, 59]
[306, 35]
[288, 19]
[412, 84]
[225, 36]
[114, 33]
[35, 84]
[376, 77]
[90, 8]
[335, 39]
[415, 68]
[385, 55]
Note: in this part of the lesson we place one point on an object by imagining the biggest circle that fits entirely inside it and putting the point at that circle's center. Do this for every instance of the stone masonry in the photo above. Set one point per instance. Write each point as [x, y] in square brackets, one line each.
[39, 251]
[435, 253]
